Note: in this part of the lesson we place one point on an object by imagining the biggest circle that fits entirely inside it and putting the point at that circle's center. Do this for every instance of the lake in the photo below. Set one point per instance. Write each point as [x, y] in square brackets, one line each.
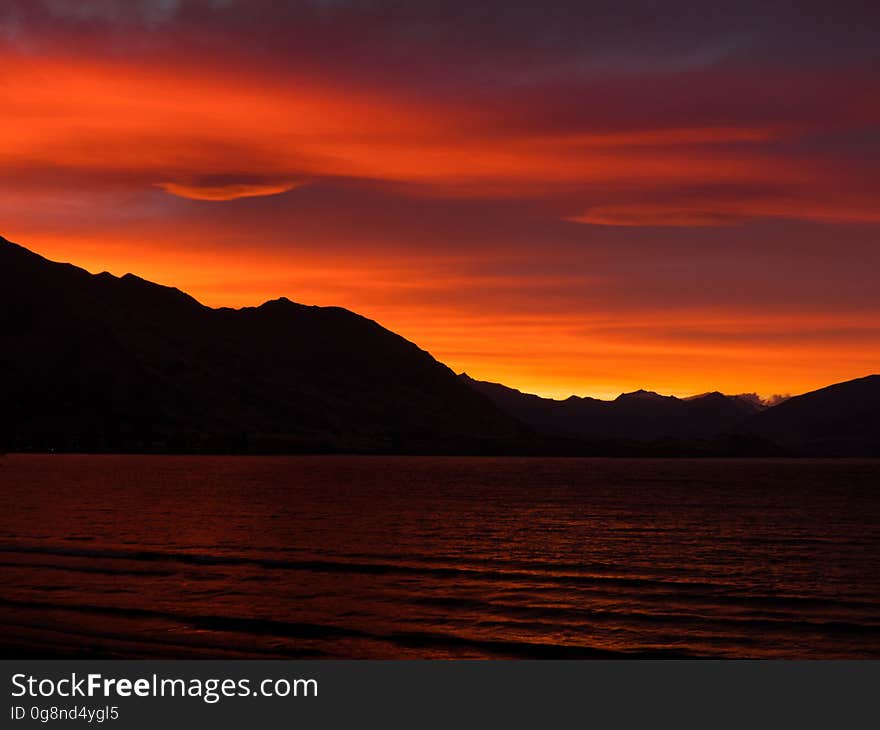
[433, 557]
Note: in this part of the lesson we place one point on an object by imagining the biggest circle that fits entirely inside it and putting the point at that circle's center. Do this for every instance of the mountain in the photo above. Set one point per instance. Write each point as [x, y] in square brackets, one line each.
[638, 416]
[92, 362]
[840, 420]
[100, 363]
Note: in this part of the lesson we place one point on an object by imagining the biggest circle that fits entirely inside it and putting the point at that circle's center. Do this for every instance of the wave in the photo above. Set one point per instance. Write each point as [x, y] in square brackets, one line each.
[649, 588]
[315, 631]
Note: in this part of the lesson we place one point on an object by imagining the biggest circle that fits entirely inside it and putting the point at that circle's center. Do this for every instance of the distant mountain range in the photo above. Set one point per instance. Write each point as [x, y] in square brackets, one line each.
[840, 420]
[639, 416]
[100, 363]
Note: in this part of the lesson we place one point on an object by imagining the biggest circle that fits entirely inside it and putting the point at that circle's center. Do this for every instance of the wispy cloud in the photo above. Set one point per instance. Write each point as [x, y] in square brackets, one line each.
[227, 190]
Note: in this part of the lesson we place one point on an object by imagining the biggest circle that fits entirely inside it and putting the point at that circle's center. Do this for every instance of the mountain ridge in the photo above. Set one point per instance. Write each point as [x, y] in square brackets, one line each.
[842, 419]
[109, 363]
[638, 415]
[95, 362]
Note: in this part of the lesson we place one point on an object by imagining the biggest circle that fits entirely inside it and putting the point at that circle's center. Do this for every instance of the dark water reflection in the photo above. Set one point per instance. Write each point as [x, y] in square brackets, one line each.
[438, 557]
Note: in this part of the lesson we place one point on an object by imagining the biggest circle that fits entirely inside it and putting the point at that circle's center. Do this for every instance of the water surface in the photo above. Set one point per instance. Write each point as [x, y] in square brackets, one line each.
[374, 557]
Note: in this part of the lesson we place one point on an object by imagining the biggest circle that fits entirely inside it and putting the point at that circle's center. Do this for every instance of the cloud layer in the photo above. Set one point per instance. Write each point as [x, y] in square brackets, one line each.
[559, 196]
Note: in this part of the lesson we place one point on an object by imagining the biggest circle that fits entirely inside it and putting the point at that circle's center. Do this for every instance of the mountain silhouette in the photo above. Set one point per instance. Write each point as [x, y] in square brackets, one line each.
[638, 416]
[100, 363]
[95, 362]
[840, 420]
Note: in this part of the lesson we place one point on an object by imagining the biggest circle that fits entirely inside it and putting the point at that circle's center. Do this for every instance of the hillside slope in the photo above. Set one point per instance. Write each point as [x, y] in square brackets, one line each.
[96, 362]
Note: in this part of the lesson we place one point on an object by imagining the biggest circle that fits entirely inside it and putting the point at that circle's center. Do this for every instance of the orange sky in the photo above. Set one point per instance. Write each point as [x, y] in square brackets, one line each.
[563, 220]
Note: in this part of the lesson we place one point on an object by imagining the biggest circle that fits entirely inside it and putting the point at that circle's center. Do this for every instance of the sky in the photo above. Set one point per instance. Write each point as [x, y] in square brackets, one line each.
[566, 197]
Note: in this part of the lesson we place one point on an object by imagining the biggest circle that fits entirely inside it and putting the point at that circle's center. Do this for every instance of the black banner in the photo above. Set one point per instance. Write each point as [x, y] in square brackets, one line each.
[391, 694]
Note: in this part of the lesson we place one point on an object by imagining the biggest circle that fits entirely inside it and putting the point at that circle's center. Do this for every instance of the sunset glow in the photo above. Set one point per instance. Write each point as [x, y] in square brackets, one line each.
[538, 211]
